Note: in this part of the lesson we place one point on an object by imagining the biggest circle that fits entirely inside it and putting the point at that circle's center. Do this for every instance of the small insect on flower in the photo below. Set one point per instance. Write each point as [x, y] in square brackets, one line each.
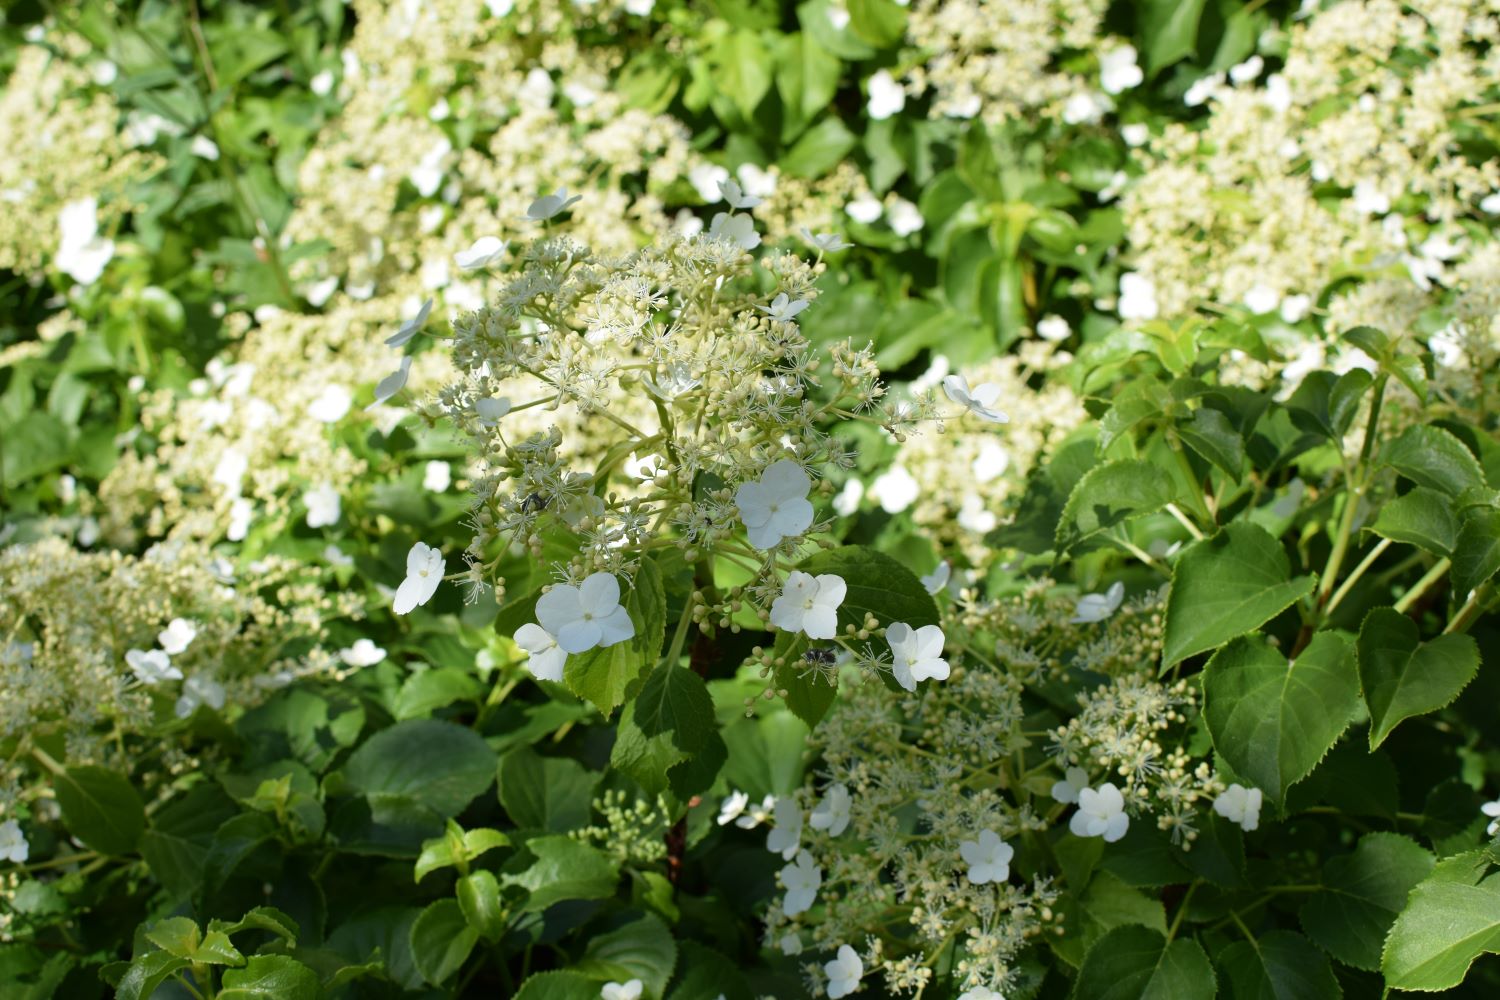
[535, 503]
[821, 656]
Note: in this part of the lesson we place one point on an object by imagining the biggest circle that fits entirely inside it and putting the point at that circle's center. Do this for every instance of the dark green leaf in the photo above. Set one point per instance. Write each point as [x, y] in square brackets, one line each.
[1476, 550]
[1423, 517]
[1450, 919]
[563, 868]
[1170, 28]
[271, 977]
[1136, 963]
[1361, 894]
[441, 940]
[1111, 494]
[670, 722]
[438, 764]
[1402, 676]
[545, 793]
[641, 949]
[1430, 456]
[101, 808]
[1278, 965]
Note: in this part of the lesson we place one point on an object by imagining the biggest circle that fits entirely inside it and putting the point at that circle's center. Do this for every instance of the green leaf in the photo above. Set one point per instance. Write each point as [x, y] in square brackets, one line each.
[1476, 550]
[1450, 919]
[438, 764]
[1170, 28]
[744, 65]
[1226, 585]
[1402, 676]
[641, 949]
[101, 808]
[807, 78]
[1431, 456]
[669, 723]
[441, 940]
[271, 977]
[479, 898]
[1327, 404]
[1360, 896]
[1272, 719]
[882, 23]
[1136, 963]
[1279, 965]
[820, 149]
[546, 793]
[1423, 517]
[1214, 438]
[558, 986]
[563, 869]
[424, 693]
[1106, 904]
[604, 676]
[148, 972]
[262, 918]
[177, 936]
[1111, 494]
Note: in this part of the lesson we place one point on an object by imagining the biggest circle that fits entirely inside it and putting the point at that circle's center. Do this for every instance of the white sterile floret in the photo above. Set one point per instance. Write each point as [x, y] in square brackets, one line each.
[988, 857]
[331, 404]
[1053, 328]
[846, 501]
[549, 205]
[904, 217]
[490, 409]
[844, 972]
[1073, 781]
[1097, 607]
[865, 208]
[832, 814]
[786, 837]
[895, 489]
[425, 567]
[978, 400]
[783, 309]
[13, 845]
[82, 254]
[587, 615]
[546, 657]
[483, 252]
[736, 229]
[628, 990]
[1492, 809]
[916, 654]
[1119, 71]
[323, 505]
[364, 653]
[981, 993]
[1241, 805]
[887, 97]
[199, 690]
[1101, 813]
[735, 197]
[809, 604]
[411, 327]
[937, 580]
[437, 476]
[776, 505]
[392, 383]
[733, 805]
[152, 667]
[802, 879]
[177, 636]
[826, 242]
[1137, 297]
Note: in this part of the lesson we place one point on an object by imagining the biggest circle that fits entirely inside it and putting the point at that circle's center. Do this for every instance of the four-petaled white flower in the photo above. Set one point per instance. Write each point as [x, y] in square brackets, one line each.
[13, 845]
[491, 409]
[1492, 810]
[802, 879]
[1053, 328]
[331, 405]
[783, 309]
[1137, 297]
[323, 505]
[746, 815]
[364, 653]
[425, 567]
[809, 604]
[549, 205]
[1118, 70]
[896, 489]
[786, 837]
[437, 476]
[485, 251]
[587, 615]
[935, 581]
[82, 253]
[776, 505]
[392, 383]
[152, 667]
[825, 242]
[981, 993]
[887, 97]
[978, 400]
[411, 327]
[629, 990]
[1101, 813]
[832, 814]
[988, 857]
[177, 636]
[916, 654]
[1097, 607]
[844, 972]
[199, 690]
[546, 657]
[1241, 805]
[736, 229]
[1073, 781]
[734, 195]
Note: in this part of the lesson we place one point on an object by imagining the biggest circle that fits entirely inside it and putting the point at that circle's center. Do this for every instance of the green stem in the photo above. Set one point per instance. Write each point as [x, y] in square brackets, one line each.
[1359, 571]
[1182, 909]
[1472, 608]
[1438, 571]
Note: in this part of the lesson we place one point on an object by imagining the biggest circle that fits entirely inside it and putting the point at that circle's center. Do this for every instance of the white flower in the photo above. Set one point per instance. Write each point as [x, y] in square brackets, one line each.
[199, 690]
[844, 972]
[1137, 297]
[491, 409]
[832, 814]
[706, 178]
[392, 383]
[896, 489]
[13, 845]
[81, 253]
[1097, 607]
[903, 217]
[1492, 809]
[979, 400]
[437, 476]
[1201, 90]
[1246, 71]
[1367, 199]
[1261, 299]
[585, 616]
[981, 993]
[988, 857]
[331, 405]
[1294, 307]
[990, 463]
[916, 654]
[937, 580]
[323, 505]
[886, 95]
[809, 605]
[786, 836]
[630, 990]
[825, 242]
[802, 879]
[549, 205]
[866, 209]
[425, 567]
[177, 636]
[322, 83]
[427, 175]
[1241, 805]
[736, 229]
[1136, 134]
[546, 657]
[1053, 328]
[241, 512]
[335, 556]
[733, 805]
[640, 8]
[364, 653]
[153, 667]
[790, 944]
[734, 196]
[756, 814]
[485, 251]
[775, 506]
[410, 328]
[1074, 780]
[1086, 108]
[758, 183]
[1101, 813]
[204, 148]
[1490, 203]
[318, 292]
[783, 309]
[846, 501]
[1118, 70]
[1277, 94]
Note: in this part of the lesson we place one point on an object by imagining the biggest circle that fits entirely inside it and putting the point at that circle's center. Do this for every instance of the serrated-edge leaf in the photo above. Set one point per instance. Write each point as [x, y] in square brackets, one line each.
[1399, 673]
[1111, 494]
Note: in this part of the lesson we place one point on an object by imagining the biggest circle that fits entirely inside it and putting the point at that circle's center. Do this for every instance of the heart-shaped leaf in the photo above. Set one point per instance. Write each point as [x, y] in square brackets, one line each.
[1402, 676]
